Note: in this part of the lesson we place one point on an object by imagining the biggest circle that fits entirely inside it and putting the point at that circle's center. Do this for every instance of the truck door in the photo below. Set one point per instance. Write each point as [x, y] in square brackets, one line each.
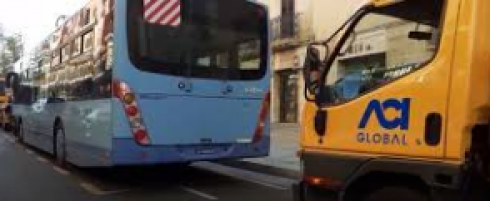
[396, 103]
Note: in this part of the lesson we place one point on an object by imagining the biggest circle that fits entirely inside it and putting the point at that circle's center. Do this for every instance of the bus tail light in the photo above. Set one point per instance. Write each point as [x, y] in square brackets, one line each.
[142, 137]
[128, 98]
[132, 111]
[263, 115]
[123, 92]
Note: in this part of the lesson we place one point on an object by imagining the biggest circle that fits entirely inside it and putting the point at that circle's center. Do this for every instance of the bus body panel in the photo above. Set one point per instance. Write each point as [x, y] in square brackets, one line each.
[168, 112]
[88, 128]
[127, 152]
[219, 120]
[38, 121]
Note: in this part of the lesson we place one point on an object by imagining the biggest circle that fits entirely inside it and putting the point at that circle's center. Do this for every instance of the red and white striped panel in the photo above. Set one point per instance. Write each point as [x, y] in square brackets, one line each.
[162, 12]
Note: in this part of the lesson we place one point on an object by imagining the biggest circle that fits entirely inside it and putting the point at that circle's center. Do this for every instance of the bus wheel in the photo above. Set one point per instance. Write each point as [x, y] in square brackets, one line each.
[60, 147]
[19, 132]
[396, 193]
[2, 124]
[181, 165]
[8, 127]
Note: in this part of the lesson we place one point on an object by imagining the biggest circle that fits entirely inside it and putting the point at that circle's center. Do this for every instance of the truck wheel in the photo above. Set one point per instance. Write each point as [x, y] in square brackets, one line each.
[396, 193]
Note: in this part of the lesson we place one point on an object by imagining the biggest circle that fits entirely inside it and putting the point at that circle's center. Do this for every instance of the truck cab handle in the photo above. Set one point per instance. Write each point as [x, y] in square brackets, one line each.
[321, 123]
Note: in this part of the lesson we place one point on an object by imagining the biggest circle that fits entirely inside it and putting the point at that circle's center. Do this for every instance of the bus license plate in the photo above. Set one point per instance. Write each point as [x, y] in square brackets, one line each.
[206, 150]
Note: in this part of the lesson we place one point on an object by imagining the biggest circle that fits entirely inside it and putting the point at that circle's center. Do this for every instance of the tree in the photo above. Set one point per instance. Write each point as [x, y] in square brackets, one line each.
[1, 34]
[11, 49]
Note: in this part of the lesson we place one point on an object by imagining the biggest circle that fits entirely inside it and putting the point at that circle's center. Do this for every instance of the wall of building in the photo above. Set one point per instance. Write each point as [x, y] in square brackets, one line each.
[275, 6]
[329, 15]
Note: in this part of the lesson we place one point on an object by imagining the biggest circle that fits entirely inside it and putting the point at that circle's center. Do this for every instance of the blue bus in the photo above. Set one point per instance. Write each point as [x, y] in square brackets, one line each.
[139, 82]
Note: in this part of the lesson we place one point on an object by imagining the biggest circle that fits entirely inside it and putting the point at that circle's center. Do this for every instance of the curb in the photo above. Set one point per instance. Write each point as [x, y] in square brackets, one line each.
[271, 170]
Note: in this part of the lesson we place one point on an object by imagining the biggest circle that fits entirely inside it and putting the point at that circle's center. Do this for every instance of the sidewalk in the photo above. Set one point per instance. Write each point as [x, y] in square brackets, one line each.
[284, 144]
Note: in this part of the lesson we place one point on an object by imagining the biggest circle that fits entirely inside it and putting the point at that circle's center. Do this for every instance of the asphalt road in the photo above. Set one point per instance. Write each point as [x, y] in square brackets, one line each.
[27, 174]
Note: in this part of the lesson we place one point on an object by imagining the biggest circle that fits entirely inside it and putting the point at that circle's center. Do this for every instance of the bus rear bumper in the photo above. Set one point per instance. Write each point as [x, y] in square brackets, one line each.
[126, 152]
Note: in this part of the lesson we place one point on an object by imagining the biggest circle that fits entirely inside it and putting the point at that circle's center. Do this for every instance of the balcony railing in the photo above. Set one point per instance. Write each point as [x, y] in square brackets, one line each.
[289, 31]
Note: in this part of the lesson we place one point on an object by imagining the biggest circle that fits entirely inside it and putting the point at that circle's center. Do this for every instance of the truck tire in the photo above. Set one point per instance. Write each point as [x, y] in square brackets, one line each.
[396, 193]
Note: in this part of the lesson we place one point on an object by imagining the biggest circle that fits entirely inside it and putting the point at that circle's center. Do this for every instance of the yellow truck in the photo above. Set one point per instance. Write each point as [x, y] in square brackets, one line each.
[5, 107]
[399, 107]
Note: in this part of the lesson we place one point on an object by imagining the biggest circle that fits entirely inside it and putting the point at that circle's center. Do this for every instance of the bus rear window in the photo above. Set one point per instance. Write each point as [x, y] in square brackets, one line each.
[220, 39]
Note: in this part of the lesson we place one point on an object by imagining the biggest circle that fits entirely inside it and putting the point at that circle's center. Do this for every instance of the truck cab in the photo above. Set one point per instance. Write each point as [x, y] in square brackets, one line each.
[414, 125]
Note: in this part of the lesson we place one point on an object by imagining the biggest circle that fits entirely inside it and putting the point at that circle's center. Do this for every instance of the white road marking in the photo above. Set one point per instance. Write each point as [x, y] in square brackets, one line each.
[61, 171]
[198, 193]
[28, 151]
[41, 159]
[270, 181]
[260, 183]
[92, 189]
[10, 139]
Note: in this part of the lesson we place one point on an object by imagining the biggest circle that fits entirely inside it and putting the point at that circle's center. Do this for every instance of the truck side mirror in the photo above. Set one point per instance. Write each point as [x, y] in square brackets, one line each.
[12, 83]
[311, 69]
[12, 80]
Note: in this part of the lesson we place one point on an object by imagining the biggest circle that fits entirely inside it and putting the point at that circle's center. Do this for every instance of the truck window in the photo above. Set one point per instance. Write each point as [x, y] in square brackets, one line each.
[385, 45]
